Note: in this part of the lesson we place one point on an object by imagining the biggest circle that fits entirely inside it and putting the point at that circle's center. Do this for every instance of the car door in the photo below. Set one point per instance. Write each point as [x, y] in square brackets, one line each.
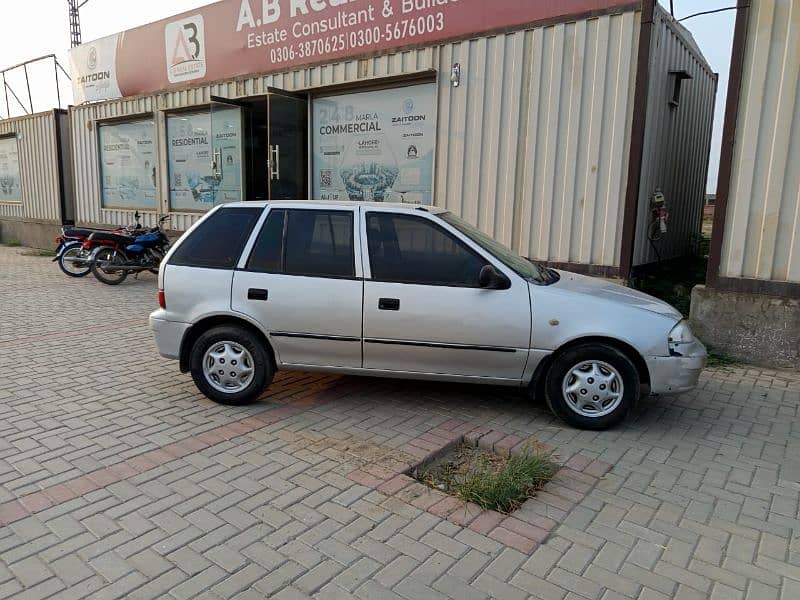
[424, 311]
[301, 281]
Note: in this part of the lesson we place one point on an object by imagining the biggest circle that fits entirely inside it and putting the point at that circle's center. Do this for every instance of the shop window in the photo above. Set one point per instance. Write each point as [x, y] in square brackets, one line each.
[376, 145]
[205, 158]
[128, 164]
[10, 186]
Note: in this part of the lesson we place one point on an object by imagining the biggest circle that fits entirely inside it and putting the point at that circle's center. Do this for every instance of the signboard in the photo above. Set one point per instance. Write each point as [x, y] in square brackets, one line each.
[128, 164]
[375, 146]
[243, 37]
[10, 190]
[94, 71]
[205, 158]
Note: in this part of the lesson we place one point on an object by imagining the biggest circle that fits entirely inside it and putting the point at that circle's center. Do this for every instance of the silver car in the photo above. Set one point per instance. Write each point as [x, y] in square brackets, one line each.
[404, 291]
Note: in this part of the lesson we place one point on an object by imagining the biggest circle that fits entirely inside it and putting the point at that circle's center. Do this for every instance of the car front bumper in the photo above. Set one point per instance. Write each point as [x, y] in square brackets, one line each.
[169, 335]
[676, 374]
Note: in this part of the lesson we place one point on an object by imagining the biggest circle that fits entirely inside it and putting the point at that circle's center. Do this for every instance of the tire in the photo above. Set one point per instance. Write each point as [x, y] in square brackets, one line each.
[224, 345]
[70, 268]
[108, 275]
[592, 386]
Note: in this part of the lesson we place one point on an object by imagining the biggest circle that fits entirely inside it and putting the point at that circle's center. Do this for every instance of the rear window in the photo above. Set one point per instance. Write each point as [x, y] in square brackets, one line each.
[218, 241]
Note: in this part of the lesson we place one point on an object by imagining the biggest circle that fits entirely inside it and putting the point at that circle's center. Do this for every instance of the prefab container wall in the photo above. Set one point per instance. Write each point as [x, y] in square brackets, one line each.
[38, 165]
[762, 222]
[677, 142]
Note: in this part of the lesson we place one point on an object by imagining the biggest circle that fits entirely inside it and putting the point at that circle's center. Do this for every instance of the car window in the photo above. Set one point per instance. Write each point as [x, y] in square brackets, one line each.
[411, 249]
[267, 254]
[319, 243]
[218, 240]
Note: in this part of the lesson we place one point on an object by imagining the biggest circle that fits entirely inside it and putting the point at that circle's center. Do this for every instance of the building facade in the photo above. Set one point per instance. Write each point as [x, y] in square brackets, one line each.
[521, 118]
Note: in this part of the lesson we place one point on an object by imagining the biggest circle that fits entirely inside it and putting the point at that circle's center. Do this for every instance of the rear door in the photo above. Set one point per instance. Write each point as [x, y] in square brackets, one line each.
[302, 282]
[424, 311]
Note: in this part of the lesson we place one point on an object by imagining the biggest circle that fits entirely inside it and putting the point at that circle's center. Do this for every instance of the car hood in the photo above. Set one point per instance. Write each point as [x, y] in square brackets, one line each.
[602, 289]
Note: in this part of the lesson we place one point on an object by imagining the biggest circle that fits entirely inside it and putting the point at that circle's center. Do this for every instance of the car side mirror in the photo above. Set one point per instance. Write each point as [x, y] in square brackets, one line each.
[491, 279]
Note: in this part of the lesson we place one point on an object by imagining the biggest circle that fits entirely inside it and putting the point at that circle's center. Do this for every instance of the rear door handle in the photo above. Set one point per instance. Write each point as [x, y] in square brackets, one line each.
[257, 294]
[389, 304]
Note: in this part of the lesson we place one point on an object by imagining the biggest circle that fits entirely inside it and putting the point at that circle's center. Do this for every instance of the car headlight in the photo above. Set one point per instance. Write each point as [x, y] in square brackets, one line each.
[679, 338]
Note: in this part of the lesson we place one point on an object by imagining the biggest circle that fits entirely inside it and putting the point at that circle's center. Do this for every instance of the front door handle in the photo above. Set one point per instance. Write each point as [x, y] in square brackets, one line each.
[257, 294]
[389, 304]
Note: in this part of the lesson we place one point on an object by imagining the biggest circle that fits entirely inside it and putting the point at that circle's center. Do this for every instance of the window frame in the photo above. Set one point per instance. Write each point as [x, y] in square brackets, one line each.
[436, 225]
[356, 245]
[99, 124]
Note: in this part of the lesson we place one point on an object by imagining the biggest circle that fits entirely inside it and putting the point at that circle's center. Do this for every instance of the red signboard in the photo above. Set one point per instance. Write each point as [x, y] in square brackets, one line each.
[239, 37]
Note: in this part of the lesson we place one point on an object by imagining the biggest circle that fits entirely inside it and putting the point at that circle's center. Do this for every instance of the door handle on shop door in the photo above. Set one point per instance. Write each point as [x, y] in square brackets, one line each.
[257, 294]
[388, 304]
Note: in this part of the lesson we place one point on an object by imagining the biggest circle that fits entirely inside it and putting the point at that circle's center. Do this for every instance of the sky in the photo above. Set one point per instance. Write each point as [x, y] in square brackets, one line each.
[40, 27]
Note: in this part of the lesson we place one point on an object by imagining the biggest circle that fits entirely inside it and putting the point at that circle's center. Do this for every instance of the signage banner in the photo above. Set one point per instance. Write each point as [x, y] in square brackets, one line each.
[128, 164]
[205, 158]
[93, 68]
[244, 37]
[375, 146]
[10, 190]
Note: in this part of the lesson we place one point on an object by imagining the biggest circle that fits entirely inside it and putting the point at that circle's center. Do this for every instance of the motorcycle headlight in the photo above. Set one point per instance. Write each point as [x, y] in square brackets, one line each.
[679, 338]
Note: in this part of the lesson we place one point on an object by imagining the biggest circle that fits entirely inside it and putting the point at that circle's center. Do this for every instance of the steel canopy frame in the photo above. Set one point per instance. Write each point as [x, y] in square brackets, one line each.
[24, 66]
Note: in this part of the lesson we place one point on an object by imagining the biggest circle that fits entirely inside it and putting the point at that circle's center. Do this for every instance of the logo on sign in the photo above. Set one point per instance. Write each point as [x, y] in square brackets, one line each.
[91, 60]
[186, 49]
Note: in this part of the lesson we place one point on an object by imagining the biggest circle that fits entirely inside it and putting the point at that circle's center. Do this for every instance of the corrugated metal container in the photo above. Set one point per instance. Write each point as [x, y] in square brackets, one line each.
[38, 164]
[762, 226]
[532, 147]
[677, 142]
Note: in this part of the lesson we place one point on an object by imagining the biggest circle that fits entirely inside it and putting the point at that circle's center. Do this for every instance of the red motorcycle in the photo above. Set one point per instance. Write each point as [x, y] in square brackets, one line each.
[72, 254]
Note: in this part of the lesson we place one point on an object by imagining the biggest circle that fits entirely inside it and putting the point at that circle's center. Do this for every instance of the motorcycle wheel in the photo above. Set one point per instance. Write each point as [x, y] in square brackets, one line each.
[108, 274]
[70, 265]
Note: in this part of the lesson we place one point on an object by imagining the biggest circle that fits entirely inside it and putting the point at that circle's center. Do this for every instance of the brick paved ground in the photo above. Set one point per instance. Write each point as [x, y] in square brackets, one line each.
[117, 479]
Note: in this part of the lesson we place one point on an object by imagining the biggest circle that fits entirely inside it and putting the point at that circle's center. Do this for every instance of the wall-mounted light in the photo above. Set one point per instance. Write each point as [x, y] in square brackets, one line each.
[455, 75]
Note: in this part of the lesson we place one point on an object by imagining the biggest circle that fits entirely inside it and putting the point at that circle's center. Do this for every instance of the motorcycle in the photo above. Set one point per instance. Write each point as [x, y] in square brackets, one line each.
[116, 256]
[73, 258]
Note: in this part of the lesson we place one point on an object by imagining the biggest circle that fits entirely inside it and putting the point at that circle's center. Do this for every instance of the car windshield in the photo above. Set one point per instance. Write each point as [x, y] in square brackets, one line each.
[522, 266]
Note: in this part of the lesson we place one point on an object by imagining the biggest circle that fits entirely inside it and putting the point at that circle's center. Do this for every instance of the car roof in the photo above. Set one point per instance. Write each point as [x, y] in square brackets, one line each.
[339, 203]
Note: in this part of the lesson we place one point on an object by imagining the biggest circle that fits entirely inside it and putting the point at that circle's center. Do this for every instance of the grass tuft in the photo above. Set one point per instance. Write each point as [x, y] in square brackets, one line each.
[13, 243]
[491, 481]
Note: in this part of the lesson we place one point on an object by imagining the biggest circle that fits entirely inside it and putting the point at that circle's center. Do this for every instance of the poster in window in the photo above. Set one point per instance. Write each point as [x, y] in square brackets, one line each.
[205, 158]
[10, 190]
[128, 164]
[375, 146]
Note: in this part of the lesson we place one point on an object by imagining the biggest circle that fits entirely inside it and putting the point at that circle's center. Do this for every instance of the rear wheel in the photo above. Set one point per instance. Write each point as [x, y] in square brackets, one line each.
[592, 386]
[105, 267]
[74, 260]
[230, 365]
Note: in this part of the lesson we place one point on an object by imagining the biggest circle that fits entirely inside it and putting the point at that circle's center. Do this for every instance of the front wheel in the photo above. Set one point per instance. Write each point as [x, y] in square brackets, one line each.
[74, 260]
[592, 386]
[230, 365]
[105, 267]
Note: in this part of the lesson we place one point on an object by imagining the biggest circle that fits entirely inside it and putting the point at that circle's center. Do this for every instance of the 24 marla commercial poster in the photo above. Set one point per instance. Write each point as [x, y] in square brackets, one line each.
[375, 146]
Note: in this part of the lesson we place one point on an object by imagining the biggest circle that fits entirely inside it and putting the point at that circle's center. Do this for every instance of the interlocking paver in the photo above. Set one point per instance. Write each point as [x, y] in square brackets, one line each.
[133, 477]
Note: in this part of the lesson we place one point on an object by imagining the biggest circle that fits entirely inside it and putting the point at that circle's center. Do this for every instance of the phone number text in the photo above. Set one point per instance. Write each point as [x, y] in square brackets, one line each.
[360, 38]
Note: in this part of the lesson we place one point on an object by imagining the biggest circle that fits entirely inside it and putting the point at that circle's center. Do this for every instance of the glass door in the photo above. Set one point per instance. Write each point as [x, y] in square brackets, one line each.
[287, 143]
[226, 136]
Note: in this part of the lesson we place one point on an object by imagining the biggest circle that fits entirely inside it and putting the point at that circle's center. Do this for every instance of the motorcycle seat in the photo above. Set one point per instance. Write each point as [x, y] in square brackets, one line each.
[100, 236]
[79, 232]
